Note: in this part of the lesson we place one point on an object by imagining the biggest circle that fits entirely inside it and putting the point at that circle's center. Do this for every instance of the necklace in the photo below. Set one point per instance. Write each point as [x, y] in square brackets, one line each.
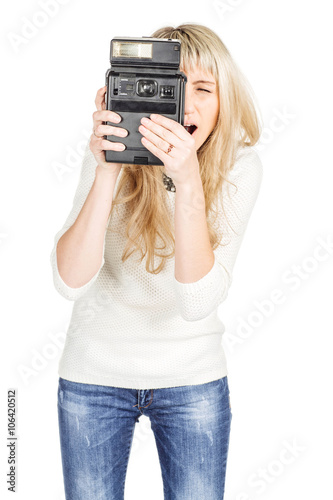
[168, 183]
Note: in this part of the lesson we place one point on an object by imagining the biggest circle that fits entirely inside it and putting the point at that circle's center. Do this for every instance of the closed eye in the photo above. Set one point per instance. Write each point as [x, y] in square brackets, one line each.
[205, 90]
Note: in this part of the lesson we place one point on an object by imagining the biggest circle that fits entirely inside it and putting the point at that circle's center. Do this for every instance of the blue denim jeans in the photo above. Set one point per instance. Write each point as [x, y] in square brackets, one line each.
[191, 426]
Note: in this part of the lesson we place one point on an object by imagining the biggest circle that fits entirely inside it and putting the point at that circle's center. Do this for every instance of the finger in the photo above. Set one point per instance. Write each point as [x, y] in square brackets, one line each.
[102, 130]
[161, 132]
[103, 115]
[100, 144]
[155, 139]
[171, 125]
[100, 98]
[113, 146]
[155, 150]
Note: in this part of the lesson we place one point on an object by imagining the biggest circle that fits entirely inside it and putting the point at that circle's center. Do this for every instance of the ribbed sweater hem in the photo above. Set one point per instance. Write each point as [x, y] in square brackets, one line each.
[162, 383]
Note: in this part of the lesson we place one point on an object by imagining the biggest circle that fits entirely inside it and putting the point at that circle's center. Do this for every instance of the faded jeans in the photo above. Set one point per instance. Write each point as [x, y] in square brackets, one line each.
[191, 427]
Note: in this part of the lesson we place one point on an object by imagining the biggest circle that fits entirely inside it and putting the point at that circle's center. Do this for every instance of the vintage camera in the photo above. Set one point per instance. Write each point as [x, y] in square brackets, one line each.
[144, 78]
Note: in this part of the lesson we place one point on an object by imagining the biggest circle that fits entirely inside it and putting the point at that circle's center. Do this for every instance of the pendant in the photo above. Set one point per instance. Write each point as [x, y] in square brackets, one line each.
[168, 183]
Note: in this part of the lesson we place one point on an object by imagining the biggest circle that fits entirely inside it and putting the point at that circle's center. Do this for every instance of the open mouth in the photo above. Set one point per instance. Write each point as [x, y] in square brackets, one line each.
[190, 128]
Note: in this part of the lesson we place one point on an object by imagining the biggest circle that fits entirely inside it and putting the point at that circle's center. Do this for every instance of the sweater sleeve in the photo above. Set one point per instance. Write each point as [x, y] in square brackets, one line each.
[86, 180]
[199, 299]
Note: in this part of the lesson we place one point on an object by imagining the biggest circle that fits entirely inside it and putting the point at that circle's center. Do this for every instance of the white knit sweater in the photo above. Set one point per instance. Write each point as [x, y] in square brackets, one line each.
[136, 330]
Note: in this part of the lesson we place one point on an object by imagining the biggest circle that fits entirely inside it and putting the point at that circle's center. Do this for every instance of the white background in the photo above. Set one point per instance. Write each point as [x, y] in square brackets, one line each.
[280, 372]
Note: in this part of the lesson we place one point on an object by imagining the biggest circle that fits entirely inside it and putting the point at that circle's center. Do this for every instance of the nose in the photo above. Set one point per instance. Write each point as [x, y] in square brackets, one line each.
[189, 100]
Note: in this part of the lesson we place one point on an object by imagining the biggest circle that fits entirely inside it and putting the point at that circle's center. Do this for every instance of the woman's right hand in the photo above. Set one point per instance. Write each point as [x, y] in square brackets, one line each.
[98, 144]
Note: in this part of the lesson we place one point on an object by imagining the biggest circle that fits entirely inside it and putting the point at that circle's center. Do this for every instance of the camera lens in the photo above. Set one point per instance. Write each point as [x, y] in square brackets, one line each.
[146, 88]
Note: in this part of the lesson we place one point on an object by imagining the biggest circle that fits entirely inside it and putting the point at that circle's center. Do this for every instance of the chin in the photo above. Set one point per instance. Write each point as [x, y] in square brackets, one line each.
[202, 141]
[198, 144]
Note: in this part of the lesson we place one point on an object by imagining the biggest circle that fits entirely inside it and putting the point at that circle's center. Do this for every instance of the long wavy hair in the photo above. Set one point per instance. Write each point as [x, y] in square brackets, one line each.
[147, 223]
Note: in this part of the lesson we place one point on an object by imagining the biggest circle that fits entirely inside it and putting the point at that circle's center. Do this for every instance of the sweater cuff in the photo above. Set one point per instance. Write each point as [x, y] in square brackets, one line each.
[201, 283]
[65, 290]
[199, 299]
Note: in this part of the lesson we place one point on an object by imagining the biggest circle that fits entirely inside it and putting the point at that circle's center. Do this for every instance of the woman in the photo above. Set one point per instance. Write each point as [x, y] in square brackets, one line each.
[144, 336]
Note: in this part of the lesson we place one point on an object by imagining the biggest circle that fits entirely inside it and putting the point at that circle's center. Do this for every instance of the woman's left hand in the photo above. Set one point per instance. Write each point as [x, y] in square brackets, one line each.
[161, 134]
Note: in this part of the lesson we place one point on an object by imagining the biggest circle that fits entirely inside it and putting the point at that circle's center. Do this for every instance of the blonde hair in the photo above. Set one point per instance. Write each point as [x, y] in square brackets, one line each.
[146, 218]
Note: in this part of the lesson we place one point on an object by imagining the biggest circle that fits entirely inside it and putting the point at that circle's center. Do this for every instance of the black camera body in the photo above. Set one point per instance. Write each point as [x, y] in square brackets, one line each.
[144, 78]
